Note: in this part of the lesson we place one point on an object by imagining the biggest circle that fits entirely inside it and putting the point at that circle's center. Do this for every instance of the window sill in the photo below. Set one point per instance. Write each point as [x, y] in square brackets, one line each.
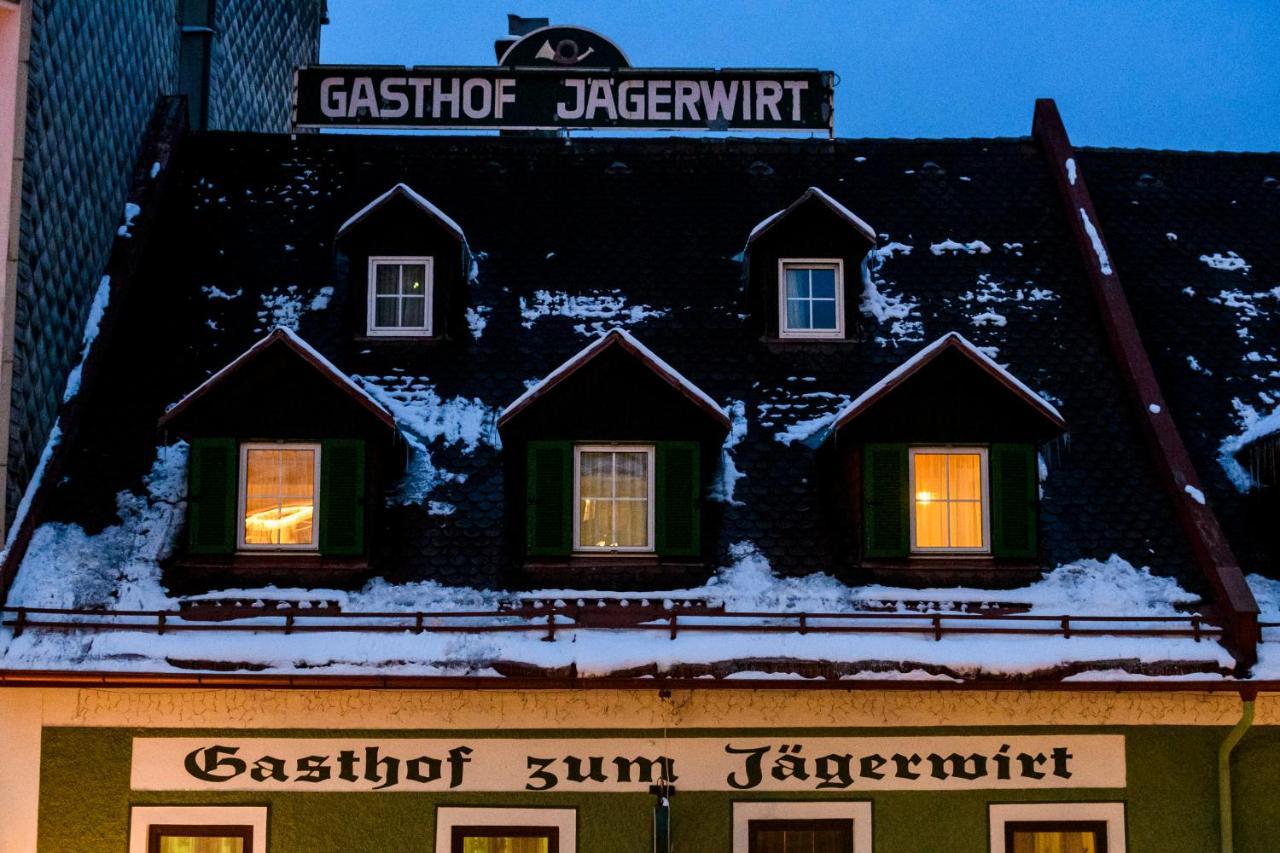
[295, 566]
[964, 569]
[399, 339]
[622, 570]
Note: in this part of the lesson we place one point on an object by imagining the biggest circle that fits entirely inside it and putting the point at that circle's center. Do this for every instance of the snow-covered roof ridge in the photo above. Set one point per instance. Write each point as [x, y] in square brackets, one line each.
[306, 351]
[924, 356]
[414, 196]
[814, 192]
[616, 337]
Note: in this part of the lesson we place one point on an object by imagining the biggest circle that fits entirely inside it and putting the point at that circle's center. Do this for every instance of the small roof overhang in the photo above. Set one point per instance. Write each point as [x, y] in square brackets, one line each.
[288, 339]
[405, 191]
[814, 194]
[950, 342]
[624, 340]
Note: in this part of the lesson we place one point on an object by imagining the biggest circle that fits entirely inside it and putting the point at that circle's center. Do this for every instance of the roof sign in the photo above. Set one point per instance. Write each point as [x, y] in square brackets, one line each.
[561, 78]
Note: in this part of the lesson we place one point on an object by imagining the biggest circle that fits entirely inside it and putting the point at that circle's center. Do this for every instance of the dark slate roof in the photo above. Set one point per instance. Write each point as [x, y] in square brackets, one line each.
[662, 223]
[1213, 333]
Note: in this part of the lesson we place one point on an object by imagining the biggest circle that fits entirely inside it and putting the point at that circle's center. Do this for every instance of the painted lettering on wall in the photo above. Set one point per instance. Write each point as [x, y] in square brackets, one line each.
[629, 764]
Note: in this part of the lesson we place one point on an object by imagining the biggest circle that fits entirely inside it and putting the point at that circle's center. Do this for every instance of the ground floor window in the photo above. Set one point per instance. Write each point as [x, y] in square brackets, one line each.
[840, 827]
[198, 829]
[501, 830]
[1057, 828]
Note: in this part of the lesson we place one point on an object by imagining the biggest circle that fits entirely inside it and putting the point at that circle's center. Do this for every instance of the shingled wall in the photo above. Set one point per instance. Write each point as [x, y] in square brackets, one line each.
[96, 71]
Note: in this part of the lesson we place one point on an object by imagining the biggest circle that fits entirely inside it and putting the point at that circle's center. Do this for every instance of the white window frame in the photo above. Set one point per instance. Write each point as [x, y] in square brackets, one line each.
[859, 812]
[1112, 814]
[912, 452]
[374, 330]
[142, 818]
[564, 820]
[809, 263]
[242, 497]
[578, 450]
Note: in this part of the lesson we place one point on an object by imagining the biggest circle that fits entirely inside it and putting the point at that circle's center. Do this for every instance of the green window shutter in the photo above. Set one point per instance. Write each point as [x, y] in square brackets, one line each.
[679, 499]
[549, 516]
[886, 524]
[1014, 490]
[213, 480]
[342, 496]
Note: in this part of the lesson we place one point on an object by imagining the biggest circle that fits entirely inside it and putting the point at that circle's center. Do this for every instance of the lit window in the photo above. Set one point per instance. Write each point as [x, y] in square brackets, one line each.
[470, 829]
[278, 495]
[811, 300]
[948, 499]
[198, 829]
[613, 510]
[1057, 828]
[201, 839]
[795, 827]
[400, 296]
[509, 839]
[1055, 837]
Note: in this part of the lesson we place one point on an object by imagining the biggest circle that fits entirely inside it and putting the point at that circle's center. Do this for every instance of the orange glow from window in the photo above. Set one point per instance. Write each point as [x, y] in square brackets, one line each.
[948, 500]
[279, 504]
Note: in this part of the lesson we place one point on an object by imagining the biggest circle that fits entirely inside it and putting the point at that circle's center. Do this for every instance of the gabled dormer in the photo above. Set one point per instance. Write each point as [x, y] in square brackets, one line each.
[803, 267]
[941, 461]
[287, 458]
[609, 457]
[407, 265]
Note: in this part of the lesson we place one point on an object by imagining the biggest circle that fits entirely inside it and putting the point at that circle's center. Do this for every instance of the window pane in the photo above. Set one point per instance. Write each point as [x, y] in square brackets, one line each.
[387, 279]
[475, 844]
[193, 844]
[966, 524]
[797, 283]
[825, 836]
[262, 472]
[596, 471]
[824, 313]
[823, 283]
[633, 524]
[297, 473]
[386, 312]
[295, 521]
[966, 477]
[413, 312]
[931, 524]
[596, 524]
[261, 521]
[1027, 841]
[413, 280]
[798, 314]
[632, 475]
[931, 477]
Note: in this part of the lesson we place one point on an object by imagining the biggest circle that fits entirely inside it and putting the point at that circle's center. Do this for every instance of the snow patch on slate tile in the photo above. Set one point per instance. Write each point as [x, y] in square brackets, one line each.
[728, 475]
[426, 420]
[898, 312]
[1230, 262]
[477, 319]
[606, 308]
[952, 247]
[285, 306]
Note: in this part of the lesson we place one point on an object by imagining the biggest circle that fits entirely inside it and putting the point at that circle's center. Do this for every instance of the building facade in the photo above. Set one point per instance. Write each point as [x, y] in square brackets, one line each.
[522, 494]
[83, 79]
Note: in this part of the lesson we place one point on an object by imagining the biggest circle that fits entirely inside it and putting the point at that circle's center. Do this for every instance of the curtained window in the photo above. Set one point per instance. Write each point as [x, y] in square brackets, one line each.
[400, 296]
[614, 507]
[948, 505]
[278, 495]
[811, 300]
[800, 836]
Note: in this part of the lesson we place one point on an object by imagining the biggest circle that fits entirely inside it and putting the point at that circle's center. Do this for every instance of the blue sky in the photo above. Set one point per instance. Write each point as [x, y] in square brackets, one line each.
[1174, 74]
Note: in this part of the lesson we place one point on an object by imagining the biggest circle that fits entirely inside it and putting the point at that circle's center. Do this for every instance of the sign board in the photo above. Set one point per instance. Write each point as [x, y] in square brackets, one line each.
[777, 765]
[562, 78]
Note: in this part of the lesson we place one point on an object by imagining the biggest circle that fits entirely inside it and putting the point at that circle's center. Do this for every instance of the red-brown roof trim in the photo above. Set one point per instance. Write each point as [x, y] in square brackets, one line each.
[284, 337]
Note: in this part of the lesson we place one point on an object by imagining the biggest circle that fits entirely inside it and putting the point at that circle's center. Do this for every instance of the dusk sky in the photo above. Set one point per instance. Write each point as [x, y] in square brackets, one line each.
[1187, 75]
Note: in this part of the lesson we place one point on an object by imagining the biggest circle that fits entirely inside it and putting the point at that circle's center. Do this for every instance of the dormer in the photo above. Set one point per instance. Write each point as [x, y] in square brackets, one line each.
[803, 270]
[941, 462]
[609, 459]
[407, 265]
[287, 458]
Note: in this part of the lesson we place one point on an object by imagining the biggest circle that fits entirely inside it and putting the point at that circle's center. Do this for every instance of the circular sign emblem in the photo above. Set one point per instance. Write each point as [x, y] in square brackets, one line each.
[564, 47]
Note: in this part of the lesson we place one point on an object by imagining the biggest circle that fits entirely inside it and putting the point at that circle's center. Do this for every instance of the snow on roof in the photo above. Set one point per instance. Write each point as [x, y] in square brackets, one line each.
[624, 338]
[951, 339]
[305, 350]
[813, 192]
[414, 196]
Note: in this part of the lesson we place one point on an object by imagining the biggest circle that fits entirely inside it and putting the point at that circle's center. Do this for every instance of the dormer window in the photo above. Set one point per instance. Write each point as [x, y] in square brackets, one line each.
[949, 508]
[613, 507]
[400, 294]
[811, 298]
[279, 484]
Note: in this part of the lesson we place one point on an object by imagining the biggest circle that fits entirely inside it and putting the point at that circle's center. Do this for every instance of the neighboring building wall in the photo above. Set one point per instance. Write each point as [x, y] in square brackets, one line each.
[256, 48]
[95, 71]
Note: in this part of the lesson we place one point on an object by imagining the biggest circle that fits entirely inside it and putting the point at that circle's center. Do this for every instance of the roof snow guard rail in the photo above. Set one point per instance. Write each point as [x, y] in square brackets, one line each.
[555, 619]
